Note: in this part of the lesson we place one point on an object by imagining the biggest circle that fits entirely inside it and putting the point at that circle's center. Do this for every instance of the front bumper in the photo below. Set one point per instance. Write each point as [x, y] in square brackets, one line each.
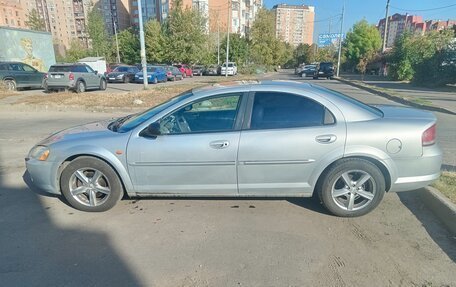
[43, 174]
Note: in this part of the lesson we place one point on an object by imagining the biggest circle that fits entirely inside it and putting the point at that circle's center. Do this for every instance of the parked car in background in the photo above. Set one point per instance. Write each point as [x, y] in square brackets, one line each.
[122, 74]
[308, 71]
[185, 70]
[173, 73]
[324, 70]
[155, 74]
[205, 142]
[211, 70]
[232, 69]
[78, 77]
[197, 70]
[15, 75]
[112, 66]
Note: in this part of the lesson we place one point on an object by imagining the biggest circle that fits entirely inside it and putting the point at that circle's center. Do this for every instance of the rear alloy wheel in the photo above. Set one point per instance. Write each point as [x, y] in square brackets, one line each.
[352, 187]
[103, 85]
[90, 184]
[10, 85]
[80, 87]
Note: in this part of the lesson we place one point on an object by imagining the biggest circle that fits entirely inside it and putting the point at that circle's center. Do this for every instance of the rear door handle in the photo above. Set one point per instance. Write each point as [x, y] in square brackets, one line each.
[326, 139]
[220, 144]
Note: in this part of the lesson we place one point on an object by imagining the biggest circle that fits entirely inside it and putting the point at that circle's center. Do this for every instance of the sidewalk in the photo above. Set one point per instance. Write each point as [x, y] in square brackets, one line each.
[444, 98]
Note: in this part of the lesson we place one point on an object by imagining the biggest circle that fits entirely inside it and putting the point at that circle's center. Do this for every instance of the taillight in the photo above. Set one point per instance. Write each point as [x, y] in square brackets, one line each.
[71, 76]
[46, 76]
[428, 137]
[169, 73]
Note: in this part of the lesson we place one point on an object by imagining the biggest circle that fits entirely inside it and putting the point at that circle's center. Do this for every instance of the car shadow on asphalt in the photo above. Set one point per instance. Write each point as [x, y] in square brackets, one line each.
[34, 251]
[436, 230]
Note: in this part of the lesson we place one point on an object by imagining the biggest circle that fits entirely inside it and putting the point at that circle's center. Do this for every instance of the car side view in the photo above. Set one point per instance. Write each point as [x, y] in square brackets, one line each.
[77, 77]
[249, 139]
[16, 75]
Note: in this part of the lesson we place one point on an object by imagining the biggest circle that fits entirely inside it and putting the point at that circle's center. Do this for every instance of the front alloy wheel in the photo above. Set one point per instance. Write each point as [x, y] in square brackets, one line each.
[90, 184]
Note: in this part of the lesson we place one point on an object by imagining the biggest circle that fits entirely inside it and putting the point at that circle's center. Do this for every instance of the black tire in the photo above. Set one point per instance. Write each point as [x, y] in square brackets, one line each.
[109, 175]
[315, 78]
[80, 87]
[10, 84]
[333, 178]
[103, 85]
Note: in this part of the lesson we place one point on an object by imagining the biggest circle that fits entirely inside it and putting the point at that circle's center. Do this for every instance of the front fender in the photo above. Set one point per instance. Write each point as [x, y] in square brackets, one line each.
[116, 161]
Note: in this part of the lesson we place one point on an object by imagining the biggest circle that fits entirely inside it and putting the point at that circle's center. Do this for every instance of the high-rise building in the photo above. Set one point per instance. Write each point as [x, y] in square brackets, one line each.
[295, 23]
[243, 12]
[116, 14]
[398, 24]
[13, 14]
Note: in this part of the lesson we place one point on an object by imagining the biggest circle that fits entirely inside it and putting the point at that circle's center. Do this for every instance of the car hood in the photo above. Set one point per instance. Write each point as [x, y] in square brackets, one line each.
[398, 112]
[79, 132]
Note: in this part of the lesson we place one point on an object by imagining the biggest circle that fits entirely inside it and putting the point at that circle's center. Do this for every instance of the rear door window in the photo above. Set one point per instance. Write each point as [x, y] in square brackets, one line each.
[275, 110]
[79, 69]
[16, 67]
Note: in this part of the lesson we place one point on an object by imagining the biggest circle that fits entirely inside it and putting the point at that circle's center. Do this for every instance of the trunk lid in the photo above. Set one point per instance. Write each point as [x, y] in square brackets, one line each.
[400, 112]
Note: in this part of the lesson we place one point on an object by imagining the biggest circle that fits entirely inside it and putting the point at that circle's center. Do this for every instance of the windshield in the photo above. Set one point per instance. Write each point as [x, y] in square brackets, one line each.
[121, 69]
[135, 120]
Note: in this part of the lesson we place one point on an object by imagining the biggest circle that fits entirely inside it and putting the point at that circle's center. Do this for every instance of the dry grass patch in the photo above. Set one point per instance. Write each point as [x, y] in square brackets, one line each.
[446, 184]
[148, 98]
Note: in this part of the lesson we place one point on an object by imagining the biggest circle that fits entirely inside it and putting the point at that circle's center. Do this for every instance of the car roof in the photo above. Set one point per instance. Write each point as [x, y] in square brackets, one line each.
[351, 110]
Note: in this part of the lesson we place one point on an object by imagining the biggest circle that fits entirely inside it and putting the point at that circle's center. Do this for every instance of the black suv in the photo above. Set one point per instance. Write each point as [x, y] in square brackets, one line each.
[324, 70]
[16, 75]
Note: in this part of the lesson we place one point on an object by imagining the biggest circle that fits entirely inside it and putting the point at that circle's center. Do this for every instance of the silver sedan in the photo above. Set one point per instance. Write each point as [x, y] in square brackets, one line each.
[249, 139]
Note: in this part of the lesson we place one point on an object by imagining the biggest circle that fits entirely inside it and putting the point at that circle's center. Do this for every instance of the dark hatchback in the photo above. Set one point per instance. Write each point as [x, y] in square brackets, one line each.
[16, 75]
[122, 74]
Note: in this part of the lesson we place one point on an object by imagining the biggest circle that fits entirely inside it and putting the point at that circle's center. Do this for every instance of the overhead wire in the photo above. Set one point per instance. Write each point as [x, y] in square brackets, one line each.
[423, 10]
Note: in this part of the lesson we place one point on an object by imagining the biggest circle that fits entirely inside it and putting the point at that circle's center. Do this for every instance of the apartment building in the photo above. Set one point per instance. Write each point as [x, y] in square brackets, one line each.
[438, 25]
[13, 14]
[242, 15]
[398, 24]
[116, 14]
[295, 23]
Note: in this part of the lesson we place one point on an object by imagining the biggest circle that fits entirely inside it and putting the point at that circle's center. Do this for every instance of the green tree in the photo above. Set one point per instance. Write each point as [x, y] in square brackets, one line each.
[304, 53]
[263, 38]
[100, 41]
[185, 32]
[414, 53]
[76, 51]
[129, 46]
[363, 41]
[155, 42]
[239, 49]
[35, 22]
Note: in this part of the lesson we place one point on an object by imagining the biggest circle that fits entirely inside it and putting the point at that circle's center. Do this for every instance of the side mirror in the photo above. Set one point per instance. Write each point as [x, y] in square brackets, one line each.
[152, 131]
[95, 72]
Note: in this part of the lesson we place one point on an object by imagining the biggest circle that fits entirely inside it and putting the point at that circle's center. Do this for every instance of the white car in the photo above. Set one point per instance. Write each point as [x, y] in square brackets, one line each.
[232, 69]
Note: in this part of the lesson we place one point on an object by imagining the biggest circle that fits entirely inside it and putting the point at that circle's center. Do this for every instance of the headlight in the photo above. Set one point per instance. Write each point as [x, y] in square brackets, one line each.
[120, 76]
[40, 153]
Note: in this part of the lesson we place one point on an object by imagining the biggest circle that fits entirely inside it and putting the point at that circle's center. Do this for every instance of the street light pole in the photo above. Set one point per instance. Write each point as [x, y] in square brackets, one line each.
[117, 41]
[228, 25]
[143, 45]
[218, 41]
[340, 39]
[386, 27]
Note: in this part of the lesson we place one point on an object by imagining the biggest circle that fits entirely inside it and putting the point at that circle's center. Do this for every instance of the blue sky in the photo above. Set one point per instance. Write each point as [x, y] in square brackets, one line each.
[371, 10]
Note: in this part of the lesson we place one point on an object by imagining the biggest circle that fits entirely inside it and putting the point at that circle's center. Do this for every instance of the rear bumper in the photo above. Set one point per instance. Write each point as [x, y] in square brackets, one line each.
[415, 173]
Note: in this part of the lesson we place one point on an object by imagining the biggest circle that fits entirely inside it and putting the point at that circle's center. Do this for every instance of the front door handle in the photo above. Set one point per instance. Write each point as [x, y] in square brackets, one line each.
[326, 139]
[220, 144]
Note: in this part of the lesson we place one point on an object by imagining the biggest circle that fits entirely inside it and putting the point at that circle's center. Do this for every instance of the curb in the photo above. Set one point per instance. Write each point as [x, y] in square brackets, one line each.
[395, 98]
[440, 206]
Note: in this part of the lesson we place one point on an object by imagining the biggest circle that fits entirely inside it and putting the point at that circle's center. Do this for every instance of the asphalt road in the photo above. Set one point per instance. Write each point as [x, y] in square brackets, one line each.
[206, 242]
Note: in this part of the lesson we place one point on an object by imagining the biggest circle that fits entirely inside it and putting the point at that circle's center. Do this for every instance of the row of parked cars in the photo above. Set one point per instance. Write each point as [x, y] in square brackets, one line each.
[316, 70]
[81, 77]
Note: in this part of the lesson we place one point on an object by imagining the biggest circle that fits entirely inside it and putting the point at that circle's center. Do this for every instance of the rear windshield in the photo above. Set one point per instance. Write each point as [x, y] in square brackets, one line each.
[62, 69]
